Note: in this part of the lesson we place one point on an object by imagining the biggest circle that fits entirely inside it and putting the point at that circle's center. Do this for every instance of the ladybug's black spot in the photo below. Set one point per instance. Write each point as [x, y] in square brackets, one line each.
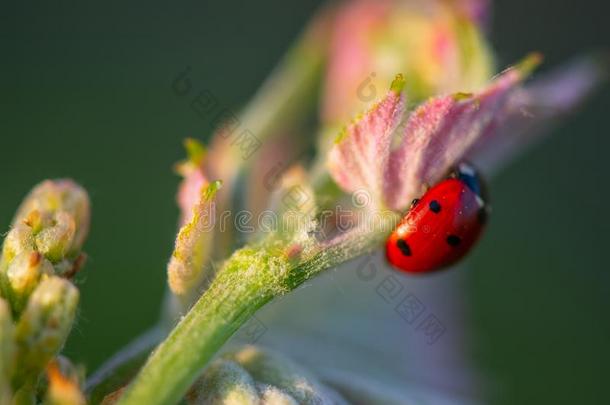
[414, 202]
[403, 247]
[482, 215]
[435, 206]
[453, 240]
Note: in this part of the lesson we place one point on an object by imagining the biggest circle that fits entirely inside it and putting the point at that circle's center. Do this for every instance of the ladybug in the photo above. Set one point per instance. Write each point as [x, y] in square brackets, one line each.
[441, 227]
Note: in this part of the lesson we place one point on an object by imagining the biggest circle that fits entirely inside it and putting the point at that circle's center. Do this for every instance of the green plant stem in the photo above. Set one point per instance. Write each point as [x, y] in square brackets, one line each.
[285, 95]
[177, 362]
[248, 280]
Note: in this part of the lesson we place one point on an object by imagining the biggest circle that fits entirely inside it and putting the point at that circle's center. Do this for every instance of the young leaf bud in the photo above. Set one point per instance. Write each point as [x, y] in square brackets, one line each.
[56, 240]
[185, 270]
[20, 239]
[44, 325]
[52, 197]
[23, 275]
[7, 351]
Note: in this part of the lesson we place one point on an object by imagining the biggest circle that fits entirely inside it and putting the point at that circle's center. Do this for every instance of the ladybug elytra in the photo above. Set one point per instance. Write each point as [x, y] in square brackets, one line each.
[441, 227]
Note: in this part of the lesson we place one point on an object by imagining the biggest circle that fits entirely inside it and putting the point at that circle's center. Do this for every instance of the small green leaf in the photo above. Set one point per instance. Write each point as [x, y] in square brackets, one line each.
[398, 84]
[210, 191]
[195, 151]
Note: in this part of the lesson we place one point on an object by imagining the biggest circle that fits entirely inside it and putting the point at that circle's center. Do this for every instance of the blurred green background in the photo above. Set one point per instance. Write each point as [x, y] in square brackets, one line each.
[85, 92]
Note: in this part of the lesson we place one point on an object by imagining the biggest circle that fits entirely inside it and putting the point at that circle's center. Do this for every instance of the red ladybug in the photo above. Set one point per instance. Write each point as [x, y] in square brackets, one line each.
[442, 226]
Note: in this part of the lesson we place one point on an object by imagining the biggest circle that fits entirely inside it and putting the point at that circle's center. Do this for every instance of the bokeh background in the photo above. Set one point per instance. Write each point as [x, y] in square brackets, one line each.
[85, 93]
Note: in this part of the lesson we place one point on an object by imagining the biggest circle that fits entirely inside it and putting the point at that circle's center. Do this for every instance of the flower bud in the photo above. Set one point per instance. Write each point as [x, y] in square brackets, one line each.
[44, 325]
[23, 275]
[7, 351]
[185, 270]
[57, 200]
[20, 239]
[435, 44]
[56, 240]
[272, 369]
[68, 268]
[224, 382]
[63, 389]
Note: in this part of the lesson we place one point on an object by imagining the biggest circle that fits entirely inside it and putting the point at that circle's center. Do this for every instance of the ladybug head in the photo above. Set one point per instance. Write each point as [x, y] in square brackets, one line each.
[469, 175]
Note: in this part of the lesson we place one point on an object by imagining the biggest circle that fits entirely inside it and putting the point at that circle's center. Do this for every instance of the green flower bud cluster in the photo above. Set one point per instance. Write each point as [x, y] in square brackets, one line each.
[41, 252]
[45, 239]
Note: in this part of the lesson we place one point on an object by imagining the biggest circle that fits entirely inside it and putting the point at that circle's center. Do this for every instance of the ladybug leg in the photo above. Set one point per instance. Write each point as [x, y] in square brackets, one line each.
[425, 187]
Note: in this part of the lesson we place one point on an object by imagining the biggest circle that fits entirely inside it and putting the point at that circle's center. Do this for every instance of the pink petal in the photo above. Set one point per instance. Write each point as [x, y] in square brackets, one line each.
[350, 61]
[194, 179]
[440, 132]
[359, 158]
[189, 192]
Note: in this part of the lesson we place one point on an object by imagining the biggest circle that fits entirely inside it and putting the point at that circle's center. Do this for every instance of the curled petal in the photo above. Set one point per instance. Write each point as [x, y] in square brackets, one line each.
[359, 157]
[186, 267]
[486, 127]
[441, 131]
